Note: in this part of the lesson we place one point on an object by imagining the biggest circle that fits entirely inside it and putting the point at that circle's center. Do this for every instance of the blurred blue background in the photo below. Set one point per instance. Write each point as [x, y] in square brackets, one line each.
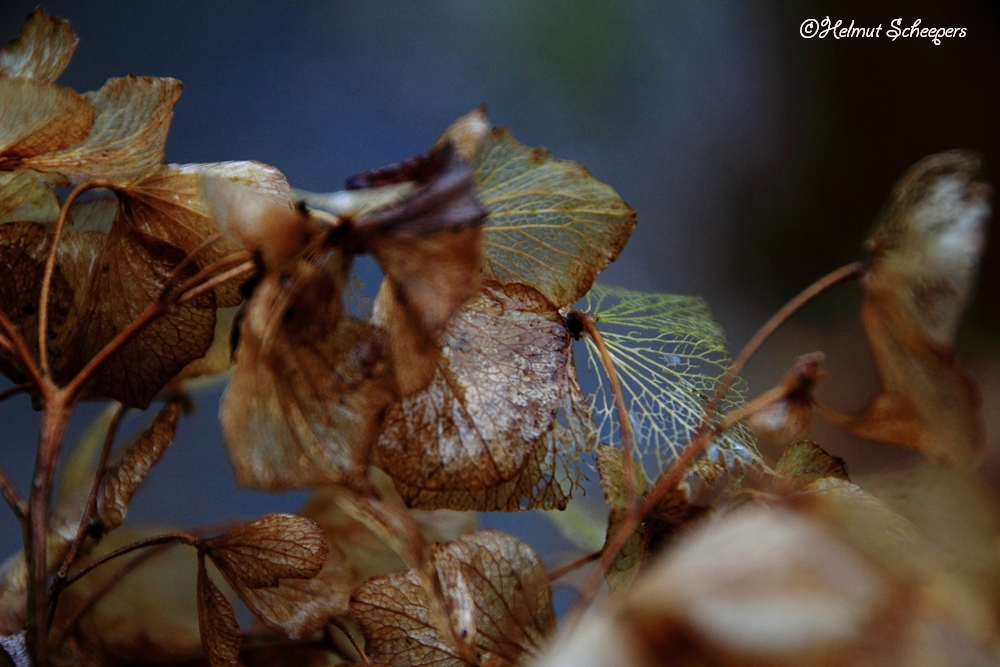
[756, 159]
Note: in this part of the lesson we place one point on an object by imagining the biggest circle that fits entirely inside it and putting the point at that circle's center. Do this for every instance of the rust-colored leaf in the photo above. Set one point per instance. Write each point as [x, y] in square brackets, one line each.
[492, 583]
[24, 195]
[127, 136]
[551, 224]
[220, 634]
[925, 256]
[309, 386]
[128, 276]
[277, 546]
[41, 50]
[125, 475]
[38, 117]
[789, 416]
[502, 378]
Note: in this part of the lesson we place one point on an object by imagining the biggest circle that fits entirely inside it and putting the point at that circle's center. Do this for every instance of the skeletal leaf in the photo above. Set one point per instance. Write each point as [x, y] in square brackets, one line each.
[220, 634]
[277, 546]
[925, 255]
[38, 117]
[41, 50]
[551, 224]
[789, 416]
[24, 195]
[128, 133]
[23, 247]
[128, 276]
[126, 474]
[668, 354]
[502, 592]
[503, 376]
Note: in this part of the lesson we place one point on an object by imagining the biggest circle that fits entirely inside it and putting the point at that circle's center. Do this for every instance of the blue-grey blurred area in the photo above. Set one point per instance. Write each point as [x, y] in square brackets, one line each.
[756, 159]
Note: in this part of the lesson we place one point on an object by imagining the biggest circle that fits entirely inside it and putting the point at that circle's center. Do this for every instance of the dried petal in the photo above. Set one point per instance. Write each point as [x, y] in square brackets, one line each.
[37, 117]
[220, 634]
[41, 50]
[125, 475]
[273, 547]
[925, 255]
[551, 224]
[511, 606]
[127, 136]
[128, 276]
[310, 385]
[24, 195]
[493, 398]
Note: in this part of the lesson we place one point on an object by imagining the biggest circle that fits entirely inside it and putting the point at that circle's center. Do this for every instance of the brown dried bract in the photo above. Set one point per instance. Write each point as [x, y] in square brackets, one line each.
[220, 634]
[495, 591]
[502, 378]
[42, 49]
[805, 462]
[125, 475]
[925, 256]
[37, 118]
[789, 416]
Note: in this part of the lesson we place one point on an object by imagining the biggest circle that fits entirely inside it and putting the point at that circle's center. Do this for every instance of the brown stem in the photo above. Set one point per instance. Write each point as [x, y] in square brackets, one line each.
[186, 262]
[59, 633]
[182, 538]
[228, 261]
[704, 434]
[50, 266]
[748, 409]
[17, 346]
[573, 565]
[14, 391]
[340, 625]
[192, 292]
[12, 497]
[624, 423]
[88, 512]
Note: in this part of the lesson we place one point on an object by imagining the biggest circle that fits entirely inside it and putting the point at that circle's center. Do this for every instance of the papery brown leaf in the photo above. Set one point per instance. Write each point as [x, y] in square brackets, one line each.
[499, 384]
[24, 195]
[220, 634]
[153, 608]
[277, 546]
[38, 117]
[925, 255]
[41, 50]
[23, 248]
[551, 224]
[125, 475]
[128, 133]
[505, 589]
[309, 386]
[216, 361]
[805, 462]
[128, 276]
[790, 416]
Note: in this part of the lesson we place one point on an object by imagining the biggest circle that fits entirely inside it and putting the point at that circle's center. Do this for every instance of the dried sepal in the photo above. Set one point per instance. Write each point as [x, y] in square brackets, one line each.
[41, 50]
[309, 386]
[495, 396]
[37, 118]
[125, 475]
[925, 256]
[493, 586]
[277, 546]
[220, 634]
[789, 416]
[24, 196]
[127, 137]
[551, 224]
[805, 462]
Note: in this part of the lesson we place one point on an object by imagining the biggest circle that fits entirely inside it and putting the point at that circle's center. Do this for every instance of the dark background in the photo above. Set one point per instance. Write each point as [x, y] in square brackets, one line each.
[756, 159]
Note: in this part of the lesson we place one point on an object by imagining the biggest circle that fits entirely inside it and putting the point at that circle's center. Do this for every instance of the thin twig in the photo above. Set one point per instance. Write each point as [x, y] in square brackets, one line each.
[704, 434]
[14, 500]
[216, 266]
[574, 565]
[14, 391]
[50, 266]
[182, 538]
[17, 346]
[340, 625]
[186, 262]
[193, 292]
[624, 423]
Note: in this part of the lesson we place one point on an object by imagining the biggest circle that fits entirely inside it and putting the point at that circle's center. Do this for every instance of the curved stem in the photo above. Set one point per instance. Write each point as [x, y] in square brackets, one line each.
[14, 391]
[705, 432]
[12, 497]
[193, 292]
[186, 262]
[624, 423]
[574, 565]
[182, 538]
[340, 625]
[16, 345]
[50, 266]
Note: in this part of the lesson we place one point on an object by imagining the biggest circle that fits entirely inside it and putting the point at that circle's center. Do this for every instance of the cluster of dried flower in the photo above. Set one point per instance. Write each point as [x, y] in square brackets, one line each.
[458, 392]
